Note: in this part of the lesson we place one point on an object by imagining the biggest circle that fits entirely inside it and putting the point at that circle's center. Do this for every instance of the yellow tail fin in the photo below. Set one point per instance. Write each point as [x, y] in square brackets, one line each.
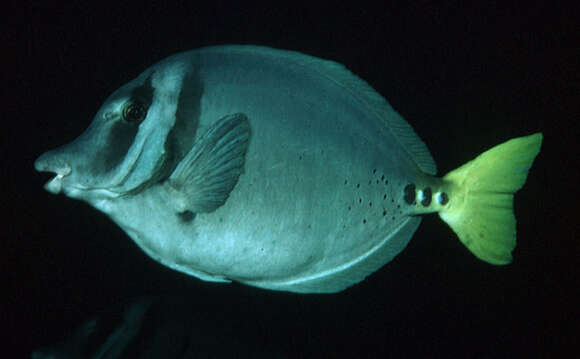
[480, 209]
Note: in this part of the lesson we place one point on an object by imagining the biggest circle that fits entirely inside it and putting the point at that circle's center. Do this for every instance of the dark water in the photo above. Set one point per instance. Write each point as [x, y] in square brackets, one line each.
[465, 78]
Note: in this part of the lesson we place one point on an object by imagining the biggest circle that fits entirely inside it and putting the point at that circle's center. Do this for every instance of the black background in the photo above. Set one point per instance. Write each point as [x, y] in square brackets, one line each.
[465, 77]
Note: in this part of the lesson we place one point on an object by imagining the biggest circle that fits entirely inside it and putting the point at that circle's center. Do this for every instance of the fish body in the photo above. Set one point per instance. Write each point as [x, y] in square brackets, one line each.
[267, 167]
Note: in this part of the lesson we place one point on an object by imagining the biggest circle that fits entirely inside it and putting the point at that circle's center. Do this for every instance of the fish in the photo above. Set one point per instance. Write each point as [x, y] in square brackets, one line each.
[278, 170]
[156, 326]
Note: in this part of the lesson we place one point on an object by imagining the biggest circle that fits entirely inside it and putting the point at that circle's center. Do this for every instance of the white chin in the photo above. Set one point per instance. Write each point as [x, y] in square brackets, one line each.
[54, 186]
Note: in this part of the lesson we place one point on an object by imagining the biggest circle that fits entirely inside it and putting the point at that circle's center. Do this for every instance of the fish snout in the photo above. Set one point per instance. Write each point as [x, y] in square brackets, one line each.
[51, 162]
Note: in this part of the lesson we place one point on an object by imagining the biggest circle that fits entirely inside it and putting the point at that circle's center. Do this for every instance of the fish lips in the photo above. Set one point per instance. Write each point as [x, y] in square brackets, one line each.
[65, 179]
[50, 163]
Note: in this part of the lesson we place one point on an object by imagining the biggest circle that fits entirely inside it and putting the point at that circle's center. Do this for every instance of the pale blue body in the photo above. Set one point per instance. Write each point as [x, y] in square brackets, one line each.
[319, 204]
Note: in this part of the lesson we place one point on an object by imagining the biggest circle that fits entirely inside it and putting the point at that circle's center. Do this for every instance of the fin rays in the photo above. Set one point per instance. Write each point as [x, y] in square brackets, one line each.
[482, 190]
[205, 177]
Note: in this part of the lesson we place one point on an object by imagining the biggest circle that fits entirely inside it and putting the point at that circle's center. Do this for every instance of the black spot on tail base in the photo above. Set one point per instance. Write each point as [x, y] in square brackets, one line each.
[442, 198]
[409, 193]
[427, 194]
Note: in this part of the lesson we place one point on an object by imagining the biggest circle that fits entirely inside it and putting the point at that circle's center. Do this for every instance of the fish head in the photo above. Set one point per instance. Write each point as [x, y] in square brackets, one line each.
[126, 147]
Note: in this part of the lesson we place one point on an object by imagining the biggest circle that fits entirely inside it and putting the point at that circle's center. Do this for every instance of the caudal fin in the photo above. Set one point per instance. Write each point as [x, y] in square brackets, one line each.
[480, 209]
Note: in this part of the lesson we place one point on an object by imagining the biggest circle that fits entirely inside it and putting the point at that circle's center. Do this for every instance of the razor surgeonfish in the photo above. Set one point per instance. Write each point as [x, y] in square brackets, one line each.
[278, 170]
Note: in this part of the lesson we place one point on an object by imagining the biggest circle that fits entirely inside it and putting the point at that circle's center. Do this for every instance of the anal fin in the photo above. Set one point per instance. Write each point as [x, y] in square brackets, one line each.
[203, 180]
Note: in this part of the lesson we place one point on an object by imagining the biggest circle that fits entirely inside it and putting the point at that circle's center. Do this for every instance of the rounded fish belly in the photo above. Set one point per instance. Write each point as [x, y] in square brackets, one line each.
[324, 175]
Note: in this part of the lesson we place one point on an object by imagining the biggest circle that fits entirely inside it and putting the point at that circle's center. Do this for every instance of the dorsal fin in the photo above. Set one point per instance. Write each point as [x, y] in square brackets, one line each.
[363, 92]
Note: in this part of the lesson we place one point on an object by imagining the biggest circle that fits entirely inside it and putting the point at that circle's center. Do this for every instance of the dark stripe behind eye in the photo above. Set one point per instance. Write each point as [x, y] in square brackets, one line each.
[144, 93]
[121, 137]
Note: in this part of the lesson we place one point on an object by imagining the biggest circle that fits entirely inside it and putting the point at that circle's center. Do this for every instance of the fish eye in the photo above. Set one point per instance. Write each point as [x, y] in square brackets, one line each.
[134, 112]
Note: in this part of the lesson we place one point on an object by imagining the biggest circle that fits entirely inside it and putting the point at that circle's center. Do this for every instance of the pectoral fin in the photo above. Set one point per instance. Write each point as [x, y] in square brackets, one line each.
[203, 180]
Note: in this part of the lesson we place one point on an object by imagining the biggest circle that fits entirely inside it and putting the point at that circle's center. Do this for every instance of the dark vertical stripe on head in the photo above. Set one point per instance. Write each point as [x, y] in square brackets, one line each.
[120, 138]
[144, 93]
[121, 134]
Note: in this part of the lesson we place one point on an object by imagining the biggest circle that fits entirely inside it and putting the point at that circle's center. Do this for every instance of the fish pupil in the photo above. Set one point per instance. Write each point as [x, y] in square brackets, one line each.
[135, 112]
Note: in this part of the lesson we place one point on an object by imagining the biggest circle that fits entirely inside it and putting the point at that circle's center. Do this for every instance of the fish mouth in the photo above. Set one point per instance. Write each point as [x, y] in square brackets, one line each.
[62, 170]
[54, 186]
